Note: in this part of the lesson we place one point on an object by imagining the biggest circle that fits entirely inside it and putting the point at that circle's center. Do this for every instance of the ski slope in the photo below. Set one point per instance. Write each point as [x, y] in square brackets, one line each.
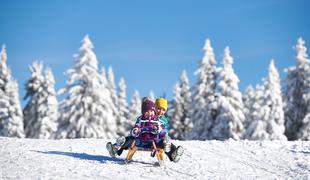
[88, 159]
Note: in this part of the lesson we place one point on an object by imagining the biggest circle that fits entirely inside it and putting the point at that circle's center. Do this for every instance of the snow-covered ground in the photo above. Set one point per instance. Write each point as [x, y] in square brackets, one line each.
[88, 159]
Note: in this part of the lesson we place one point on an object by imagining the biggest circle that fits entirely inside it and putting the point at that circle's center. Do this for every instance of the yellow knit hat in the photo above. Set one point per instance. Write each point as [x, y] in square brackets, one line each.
[161, 103]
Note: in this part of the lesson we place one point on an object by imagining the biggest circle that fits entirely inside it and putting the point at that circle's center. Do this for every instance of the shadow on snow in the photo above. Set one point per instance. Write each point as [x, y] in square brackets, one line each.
[84, 156]
[303, 152]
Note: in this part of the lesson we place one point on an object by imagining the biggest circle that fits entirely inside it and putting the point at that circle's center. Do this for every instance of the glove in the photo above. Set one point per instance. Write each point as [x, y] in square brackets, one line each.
[135, 132]
[154, 129]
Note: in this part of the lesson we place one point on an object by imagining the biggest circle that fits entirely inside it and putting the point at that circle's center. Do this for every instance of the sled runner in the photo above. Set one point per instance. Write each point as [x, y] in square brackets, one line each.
[138, 145]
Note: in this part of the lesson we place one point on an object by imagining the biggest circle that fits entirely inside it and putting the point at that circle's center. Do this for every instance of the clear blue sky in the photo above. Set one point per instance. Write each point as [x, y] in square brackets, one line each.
[149, 43]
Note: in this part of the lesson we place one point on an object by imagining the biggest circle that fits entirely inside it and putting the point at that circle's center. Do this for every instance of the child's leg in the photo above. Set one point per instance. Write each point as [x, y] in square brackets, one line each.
[172, 149]
[126, 145]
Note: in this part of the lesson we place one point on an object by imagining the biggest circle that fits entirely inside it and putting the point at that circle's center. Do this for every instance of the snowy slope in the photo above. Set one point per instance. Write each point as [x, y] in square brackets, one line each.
[88, 159]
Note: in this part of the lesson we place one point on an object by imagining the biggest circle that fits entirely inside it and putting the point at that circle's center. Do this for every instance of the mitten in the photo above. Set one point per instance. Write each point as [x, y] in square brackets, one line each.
[135, 132]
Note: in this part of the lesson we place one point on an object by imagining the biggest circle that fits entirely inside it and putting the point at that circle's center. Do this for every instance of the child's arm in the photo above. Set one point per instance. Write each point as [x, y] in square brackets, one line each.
[165, 122]
[135, 131]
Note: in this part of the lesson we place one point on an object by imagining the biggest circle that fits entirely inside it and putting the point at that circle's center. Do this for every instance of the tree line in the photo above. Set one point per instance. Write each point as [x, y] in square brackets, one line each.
[212, 108]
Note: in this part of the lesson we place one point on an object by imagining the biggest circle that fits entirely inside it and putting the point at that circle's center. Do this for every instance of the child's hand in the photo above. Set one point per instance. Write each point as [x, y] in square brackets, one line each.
[135, 132]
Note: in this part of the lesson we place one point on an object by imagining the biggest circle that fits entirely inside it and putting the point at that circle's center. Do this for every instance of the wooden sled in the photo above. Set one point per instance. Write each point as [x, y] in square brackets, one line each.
[158, 152]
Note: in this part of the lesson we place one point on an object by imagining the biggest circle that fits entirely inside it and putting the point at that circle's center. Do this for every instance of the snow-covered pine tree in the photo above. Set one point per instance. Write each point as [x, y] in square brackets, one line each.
[33, 92]
[255, 124]
[273, 105]
[86, 112]
[248, 98]
[230, 118]
[203, 94]
[40, 113]
[134, 108]
[180, 121]
[266, 116]
[152, 95]
[49, 122]
[304, 133]
[11, 117]
[296, 93]
[111, 85]
[103, 77]
[122, 120]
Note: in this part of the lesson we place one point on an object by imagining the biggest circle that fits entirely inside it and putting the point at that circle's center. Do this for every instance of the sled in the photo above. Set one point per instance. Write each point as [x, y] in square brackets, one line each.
[149, 147]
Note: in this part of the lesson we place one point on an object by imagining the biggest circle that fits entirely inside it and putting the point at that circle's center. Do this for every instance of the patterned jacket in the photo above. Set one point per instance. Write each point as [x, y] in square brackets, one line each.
[149, 129]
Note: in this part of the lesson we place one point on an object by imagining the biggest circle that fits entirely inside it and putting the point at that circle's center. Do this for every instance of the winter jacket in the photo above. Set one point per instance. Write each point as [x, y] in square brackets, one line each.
[163, 120]
[148, 129]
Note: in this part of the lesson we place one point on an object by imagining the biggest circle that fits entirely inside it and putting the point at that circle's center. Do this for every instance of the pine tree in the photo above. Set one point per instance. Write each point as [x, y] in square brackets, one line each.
[152, 95]
[134, 108]
[49, 122]
[203, 94]
[274, 105]
[248, 99]
[111, 85]
[103, 77]
[297, 92]
[304, 133]
[11, 117]
[86, 111]
[268, 118]
[40, 113]
[255, 123]
[180, 121]
[112, 89]
[123, 124]
[230, 118]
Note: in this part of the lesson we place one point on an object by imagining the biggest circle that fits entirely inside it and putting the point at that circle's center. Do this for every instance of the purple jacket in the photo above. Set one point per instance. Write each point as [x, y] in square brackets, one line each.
[150, 128]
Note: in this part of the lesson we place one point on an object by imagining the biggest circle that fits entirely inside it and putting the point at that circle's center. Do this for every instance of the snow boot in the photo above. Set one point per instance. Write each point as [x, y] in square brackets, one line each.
[176, 155]
[120, 142]
[167, 144]
[112, 149]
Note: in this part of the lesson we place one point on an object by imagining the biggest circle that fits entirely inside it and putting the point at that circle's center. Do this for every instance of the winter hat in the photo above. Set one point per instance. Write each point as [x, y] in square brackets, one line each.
[147, 105]
[161, 103]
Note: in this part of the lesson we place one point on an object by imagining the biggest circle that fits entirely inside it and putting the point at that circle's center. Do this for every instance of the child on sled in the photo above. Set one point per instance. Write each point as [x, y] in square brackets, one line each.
[147, 128]
[174, 153]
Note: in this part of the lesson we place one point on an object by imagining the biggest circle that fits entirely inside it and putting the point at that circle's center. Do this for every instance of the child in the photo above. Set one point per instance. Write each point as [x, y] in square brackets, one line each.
[174, 153]
[147, 128]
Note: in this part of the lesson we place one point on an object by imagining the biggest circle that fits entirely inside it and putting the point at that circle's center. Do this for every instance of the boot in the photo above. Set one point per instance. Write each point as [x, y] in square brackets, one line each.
[112, 149]
[176, 155]
[120, 142]
[167, 144]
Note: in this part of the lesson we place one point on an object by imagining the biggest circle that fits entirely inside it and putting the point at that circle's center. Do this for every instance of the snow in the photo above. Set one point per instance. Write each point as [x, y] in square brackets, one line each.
[88, 159]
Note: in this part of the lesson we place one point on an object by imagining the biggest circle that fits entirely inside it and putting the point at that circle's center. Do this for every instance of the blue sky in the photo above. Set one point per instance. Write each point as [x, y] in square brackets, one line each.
[149, 43]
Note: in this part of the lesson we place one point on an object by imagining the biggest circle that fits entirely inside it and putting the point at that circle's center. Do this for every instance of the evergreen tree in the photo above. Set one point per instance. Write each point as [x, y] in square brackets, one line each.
[268, 117]
[152, 95]
[11, 117]
[103, 77]
[297, 92]
[255, 124]
[123, 124]
[274, 105]
[180, 121]
[40, 113]
[304, 133]
[248, 99]
[86, 111]
[230, 118]
[111, 86]
[134, 108]
[203, 94]
[112, 89]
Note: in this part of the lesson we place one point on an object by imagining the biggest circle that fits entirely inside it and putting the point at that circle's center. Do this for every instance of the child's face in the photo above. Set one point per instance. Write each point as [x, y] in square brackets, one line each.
[149, 113]
[160, 111]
